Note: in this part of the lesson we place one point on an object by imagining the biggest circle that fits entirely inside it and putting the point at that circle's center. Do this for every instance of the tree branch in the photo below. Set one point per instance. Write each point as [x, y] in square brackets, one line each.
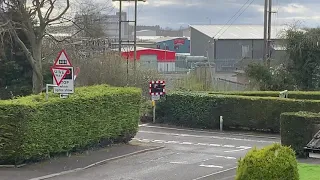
[26, 51]
[64, 39]
[60, 15]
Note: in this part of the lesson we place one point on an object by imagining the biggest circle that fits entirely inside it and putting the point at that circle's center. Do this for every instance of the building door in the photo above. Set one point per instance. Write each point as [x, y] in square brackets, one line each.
[149, 62]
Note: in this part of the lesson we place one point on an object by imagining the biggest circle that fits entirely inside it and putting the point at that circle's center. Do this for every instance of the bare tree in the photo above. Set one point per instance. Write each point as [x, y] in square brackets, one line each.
[32, 18]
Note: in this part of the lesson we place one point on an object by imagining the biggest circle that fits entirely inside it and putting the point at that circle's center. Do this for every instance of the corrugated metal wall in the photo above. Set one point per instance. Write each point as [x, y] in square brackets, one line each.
[166, 66]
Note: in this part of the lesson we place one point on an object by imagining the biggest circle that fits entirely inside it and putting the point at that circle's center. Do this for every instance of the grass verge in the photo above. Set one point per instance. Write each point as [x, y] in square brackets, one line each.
[309, 172]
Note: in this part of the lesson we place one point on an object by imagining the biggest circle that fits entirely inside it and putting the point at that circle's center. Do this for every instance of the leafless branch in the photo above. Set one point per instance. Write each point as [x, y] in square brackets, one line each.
[60, 15]
[64, 39]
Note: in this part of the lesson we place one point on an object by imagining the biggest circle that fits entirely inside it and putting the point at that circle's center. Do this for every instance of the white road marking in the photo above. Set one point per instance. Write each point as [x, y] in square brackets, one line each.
[230, 146]
[201, 136]
[202, 144]
[216, 145]
[239, 148]
[226, 157]
[219, 172]
[206, 131]
[210, 166]
[188, 143]
[183, 162]
[158, 141]
[244, 147]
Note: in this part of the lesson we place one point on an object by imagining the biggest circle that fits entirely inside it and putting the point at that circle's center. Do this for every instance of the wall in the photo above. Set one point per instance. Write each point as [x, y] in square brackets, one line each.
[162, 56]
[146, 33]
[110, 24]
[200, 44]
[232, 49]
[166, 66]
[182, 44]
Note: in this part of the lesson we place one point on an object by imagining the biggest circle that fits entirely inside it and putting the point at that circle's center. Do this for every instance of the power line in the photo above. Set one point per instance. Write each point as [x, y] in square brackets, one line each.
[236, 18]
[231, 18]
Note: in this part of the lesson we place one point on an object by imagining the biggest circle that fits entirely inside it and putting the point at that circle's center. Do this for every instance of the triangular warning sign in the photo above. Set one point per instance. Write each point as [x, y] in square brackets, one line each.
[59, 74]
[62, 59]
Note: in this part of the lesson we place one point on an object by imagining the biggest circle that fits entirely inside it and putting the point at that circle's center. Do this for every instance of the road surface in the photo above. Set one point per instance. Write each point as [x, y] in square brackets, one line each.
[187, 155]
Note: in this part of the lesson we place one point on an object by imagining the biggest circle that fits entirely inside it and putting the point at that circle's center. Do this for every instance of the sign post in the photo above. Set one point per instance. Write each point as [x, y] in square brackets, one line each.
[63, 75]
[156, 90]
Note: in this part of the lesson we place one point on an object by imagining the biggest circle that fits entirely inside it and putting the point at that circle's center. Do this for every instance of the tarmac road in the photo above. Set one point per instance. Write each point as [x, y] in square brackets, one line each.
[188, 155]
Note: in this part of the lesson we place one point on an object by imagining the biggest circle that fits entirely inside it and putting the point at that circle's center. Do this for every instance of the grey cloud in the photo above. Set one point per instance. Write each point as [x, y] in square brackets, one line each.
[219, 12]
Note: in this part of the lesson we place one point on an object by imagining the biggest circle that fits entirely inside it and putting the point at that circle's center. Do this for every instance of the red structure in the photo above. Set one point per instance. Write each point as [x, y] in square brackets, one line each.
[162, 55]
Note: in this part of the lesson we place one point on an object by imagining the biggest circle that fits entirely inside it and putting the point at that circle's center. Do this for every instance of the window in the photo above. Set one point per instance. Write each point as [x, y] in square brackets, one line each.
[245, 51]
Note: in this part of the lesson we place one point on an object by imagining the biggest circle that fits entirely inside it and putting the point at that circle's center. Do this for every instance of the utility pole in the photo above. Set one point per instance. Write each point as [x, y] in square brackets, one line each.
[269, 34]
[265, 31]
[120, 23]
[135, 31]
[135, 40]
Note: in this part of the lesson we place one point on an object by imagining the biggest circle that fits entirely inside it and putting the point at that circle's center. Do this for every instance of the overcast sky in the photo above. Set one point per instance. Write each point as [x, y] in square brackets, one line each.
[176, 13]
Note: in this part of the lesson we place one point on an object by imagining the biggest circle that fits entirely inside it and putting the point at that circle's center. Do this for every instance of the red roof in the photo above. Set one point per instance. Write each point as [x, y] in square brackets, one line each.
[162, 55]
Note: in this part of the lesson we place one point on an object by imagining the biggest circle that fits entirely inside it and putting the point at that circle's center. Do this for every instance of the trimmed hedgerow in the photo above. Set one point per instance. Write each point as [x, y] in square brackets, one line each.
[271, 162]
[297, 129]
[200, 110]
[32, 129]
[311, 95]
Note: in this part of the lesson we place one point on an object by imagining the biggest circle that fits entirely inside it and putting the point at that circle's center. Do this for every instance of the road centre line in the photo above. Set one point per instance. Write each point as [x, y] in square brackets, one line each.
[202, 136]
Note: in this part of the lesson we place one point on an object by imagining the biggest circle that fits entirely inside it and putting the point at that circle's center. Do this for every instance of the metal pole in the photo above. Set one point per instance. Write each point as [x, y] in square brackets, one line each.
[154, 110]
[211, 68]
[120, 24]
[265, 31]
[221, 123]
[135, 39]
[47, 92]
[269, 34]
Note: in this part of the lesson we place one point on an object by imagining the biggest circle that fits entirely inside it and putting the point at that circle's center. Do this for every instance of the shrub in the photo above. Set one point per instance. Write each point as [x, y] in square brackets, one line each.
[297, 129]
[201, 110]
[315, 95]
[32, 128]
[274, 162]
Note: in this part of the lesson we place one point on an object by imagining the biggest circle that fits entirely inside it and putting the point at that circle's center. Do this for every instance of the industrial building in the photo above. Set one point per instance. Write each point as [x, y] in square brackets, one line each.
[176, 44]
[153, 59]
[226, 45]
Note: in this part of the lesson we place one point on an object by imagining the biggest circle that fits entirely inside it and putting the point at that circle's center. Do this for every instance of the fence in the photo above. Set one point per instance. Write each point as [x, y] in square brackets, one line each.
[191, 82]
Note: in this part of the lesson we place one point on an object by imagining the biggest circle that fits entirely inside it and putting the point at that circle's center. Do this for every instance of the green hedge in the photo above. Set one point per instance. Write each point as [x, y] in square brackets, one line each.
[274, 162]
[297, 129]
[311, 95]
[200, 110]
[32, 129]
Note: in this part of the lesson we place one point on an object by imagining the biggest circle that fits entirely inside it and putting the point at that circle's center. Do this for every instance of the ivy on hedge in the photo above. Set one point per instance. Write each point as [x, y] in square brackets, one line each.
[202, 110]
[311, 95]
[32, 128]
[297, 129]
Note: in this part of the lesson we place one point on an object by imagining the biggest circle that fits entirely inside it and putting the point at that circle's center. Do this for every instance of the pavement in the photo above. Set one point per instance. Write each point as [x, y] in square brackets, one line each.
[74, 162]
[187, 155]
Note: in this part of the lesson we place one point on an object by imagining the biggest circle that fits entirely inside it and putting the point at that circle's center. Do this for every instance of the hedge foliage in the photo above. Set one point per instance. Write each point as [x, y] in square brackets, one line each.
[311, 95]
[297, 129]
[202, 110]
[274, 162]
[32, 129]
